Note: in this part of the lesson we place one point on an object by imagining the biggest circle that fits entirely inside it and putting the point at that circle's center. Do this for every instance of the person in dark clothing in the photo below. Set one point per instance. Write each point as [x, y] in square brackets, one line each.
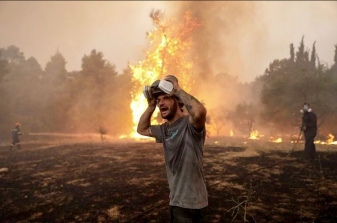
[15, 136]
[309, 128]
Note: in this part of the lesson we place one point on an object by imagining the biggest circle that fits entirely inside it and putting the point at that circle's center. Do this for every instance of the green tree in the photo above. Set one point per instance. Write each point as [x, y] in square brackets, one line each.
[302, 55]
[286, 87]
[57, 98]
[292, 53]
[4, 69]
[335, 57]
[94, 65]
[91, 98]
[13, 54]
[4, 65]
[313, 57]
[22, 84]
[124, 98]
[334, 66]
[56, 68]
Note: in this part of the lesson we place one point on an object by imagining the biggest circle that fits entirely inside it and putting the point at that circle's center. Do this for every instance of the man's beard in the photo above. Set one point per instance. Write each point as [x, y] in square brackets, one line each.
[171, 113]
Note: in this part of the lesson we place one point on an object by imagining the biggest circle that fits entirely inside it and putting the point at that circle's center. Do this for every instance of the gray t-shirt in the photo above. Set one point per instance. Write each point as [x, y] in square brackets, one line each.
[183, 151]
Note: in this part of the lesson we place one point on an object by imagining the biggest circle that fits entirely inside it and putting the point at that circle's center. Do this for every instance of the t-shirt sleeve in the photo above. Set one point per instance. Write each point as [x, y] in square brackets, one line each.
[197, 133]
[157, 133]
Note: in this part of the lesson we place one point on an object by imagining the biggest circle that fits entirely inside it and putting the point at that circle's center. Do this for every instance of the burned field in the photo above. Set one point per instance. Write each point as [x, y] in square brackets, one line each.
[126, 182]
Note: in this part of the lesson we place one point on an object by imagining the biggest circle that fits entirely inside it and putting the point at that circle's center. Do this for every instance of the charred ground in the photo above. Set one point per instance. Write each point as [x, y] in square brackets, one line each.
[126, 182]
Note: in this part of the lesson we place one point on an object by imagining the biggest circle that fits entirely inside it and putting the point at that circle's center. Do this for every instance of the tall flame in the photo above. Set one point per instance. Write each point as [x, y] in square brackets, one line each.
[330, 140]
[171, 43]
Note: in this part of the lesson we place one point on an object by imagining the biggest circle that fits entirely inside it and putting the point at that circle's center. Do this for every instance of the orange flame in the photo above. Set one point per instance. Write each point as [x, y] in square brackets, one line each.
[278, 140]
[231, 133]
[329, 141]
[254, 135]
[169, 55]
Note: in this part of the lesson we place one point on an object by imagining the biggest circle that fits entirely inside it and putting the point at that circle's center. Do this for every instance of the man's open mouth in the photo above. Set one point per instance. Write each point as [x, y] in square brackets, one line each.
[163, 109]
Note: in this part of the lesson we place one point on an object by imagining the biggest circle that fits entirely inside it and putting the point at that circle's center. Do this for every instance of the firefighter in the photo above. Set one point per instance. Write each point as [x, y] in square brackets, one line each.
[309, 128]
[15, 136]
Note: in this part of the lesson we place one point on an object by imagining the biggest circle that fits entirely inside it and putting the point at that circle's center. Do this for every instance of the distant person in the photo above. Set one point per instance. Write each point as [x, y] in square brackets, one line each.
[16, 132]
[102, 131]
[309, 128]
[183, 137]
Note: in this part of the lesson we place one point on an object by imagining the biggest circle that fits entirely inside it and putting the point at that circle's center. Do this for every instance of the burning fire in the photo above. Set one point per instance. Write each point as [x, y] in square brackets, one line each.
[278, 140]
[329, 140]
[254, 135]
[171, 43]
[231, 133]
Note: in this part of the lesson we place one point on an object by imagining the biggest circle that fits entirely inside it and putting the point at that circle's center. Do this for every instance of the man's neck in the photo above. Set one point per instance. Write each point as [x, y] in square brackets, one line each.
[177, 116]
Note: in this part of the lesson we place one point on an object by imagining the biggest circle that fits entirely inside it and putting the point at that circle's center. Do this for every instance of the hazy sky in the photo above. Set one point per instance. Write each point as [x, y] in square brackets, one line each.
[118, 30]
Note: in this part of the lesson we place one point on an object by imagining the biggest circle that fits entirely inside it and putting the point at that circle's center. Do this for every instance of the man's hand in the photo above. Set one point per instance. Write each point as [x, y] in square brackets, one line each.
[151, 102]
[174, 81]
[144, 123]
[196, 109]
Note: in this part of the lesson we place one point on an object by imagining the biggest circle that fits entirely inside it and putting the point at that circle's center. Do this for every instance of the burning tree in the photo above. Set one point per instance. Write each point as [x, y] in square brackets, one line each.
[169, 54]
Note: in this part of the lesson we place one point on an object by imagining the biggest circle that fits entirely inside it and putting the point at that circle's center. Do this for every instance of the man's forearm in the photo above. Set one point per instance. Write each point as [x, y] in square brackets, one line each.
[145, 122]
[193, 106]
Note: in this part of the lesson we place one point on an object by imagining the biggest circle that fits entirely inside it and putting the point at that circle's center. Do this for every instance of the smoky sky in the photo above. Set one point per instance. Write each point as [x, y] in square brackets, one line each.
[238, 37]
[242, 38]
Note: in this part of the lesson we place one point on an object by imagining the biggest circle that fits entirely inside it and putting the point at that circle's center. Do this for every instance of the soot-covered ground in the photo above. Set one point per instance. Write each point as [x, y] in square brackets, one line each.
[126, 182]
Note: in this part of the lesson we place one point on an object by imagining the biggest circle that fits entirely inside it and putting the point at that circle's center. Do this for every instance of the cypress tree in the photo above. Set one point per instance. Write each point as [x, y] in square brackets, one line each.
[300, 54]
[334, 66]
[292, 53]
[313, 56]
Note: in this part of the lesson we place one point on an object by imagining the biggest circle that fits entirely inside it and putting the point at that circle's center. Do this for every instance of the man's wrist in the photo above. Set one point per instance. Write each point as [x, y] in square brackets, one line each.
[179, 91]
[151, 108]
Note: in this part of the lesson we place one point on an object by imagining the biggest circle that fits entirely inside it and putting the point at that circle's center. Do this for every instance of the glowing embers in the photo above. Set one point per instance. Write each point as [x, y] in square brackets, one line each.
[277, 140]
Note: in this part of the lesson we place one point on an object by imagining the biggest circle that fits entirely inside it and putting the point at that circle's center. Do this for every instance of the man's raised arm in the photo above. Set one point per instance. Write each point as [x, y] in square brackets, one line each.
[196, 109]
[144, 123]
